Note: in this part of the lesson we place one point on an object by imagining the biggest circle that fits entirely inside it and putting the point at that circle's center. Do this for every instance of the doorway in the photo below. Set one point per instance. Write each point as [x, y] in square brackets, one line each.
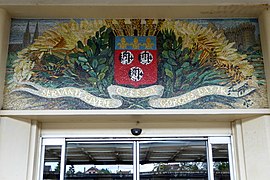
[134, 159]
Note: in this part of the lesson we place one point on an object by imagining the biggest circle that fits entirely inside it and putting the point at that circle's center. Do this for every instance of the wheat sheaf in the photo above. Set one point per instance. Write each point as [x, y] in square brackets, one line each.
[59, 41]
[62, 40]
[216, 49]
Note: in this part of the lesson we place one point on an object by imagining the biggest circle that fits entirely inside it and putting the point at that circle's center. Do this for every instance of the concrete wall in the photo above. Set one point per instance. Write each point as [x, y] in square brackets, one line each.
[19, 141]
[252, 147]
[19, 148]
[152, 128]
[257, 147]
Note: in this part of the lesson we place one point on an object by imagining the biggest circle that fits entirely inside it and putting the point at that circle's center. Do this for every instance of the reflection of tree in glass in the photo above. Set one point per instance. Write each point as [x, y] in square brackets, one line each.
[57, 168]
[183, 166]
[221, 166]
[71, 170]
[104, 171]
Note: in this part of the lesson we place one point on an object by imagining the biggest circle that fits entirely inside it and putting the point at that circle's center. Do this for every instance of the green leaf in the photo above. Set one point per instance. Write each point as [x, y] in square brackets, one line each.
[85, 67]
[80, 44]
[101, 67]
[207, 74]
[180, 42]
[172, 62]
[192, 75]
[94, 63]
[185, 87]
[102, 60]
[172, 54]
[186, 51]
[92, 80]
[94, 48]
[97, 34]
[168, 66]
[89, 53]
[169, 73]
[178, 53]
[196, 57]
[105, 37]
[165, 54]
[105, 69]
[186, 56]
[73, 55]
[165, 46]
[179, 72]
[105, 83]
[92, 73]
[104, 46]
[174, 45]
[105, 52]
[101, 76]
[86, 48]
[213, 82]
[185, 64]
[82, 59]
[90, 42]
[102, 28]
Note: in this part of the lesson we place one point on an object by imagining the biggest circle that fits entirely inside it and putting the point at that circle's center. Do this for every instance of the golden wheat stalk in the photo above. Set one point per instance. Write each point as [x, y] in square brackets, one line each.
[59, 41]
[214, 46]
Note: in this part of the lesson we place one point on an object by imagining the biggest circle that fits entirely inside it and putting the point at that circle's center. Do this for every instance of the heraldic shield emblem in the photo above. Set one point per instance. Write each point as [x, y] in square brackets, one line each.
[135, 60]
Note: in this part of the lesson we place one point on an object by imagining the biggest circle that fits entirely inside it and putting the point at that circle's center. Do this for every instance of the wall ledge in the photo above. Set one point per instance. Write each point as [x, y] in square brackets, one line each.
[192, 115]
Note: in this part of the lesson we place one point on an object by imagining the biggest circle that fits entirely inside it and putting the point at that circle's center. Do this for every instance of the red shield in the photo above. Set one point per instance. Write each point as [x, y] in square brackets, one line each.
[135, 60]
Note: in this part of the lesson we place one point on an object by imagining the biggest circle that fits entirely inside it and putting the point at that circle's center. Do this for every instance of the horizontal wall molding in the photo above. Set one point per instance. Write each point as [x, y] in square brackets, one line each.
[130, 2]
[139, 112]
[98, 116]
[78, 10]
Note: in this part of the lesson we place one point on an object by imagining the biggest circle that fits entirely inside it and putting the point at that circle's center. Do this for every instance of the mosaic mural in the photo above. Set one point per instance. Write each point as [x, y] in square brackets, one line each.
[135, 64]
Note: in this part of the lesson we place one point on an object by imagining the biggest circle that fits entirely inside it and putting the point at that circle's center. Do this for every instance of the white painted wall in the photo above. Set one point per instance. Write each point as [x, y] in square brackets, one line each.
[151, 128]
[14, 143]
[19, 149]
[256, 148]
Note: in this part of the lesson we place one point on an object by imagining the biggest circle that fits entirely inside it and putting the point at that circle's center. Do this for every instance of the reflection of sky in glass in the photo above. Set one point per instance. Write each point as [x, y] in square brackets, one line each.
[112, 168]
[146, 167]
[52, 164]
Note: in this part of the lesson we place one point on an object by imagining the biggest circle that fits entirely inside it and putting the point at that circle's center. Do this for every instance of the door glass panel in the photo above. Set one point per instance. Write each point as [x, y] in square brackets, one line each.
[52, 161]
[221, 161]
[99, 160]
[173, 160]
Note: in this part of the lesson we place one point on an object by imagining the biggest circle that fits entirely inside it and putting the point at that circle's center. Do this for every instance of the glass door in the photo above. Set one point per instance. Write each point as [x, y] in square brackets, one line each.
[160, 158]
[99, 160]
[52, 164]
[185, 159]
[220, 158]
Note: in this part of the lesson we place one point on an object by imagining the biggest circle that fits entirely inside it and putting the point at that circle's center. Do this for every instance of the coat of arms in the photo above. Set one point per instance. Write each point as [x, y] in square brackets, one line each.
[135, 60]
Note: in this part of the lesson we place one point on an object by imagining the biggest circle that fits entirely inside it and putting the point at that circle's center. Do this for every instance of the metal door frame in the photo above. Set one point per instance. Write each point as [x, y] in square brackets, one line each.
[136, 168]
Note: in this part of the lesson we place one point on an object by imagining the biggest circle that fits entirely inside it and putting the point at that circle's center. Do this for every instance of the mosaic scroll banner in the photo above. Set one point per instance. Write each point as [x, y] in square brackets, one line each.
[135, 64]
